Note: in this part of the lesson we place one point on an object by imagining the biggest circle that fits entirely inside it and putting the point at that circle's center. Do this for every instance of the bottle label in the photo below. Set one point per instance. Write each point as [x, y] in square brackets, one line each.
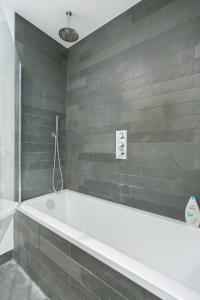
[190, 214]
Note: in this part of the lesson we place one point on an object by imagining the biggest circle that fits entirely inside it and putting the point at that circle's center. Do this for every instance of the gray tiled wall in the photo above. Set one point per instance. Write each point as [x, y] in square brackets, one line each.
[64, 271]
[139, 72]
[43, 97]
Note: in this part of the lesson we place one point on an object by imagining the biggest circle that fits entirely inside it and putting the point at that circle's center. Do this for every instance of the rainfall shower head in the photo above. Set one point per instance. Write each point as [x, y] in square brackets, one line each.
[68, 34]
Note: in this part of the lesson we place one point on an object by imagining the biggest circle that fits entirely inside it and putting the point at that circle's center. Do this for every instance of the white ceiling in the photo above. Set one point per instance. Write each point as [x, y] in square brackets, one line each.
[88, 15]
[2, 16]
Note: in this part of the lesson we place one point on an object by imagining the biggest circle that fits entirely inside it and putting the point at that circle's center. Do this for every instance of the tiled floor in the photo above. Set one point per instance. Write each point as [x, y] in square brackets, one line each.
[16, 285]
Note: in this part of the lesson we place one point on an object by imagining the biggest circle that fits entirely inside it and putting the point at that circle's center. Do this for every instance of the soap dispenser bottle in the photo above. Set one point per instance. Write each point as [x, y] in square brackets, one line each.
[192, 212]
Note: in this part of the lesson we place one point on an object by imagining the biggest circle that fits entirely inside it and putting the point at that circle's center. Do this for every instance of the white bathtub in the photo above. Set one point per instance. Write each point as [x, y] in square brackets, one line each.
[158, 253]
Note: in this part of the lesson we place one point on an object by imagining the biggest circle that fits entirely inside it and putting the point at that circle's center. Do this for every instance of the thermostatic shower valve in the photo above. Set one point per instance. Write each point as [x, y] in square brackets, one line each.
[121, 144]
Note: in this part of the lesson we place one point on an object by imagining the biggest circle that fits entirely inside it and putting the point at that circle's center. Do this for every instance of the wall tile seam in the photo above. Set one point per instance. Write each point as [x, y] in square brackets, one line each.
[36, 120]
[153, 81]
[162, 155]
[31, 193]
[98, 279]
[146, 137]
[134, 198]
[41, 138]
[161, 105]
[65, 282]
[84, 287]
[135, 99]
[44, 160]
[150, 83]
[124, 94]
[107, 84]
[29, 169]
[170, 192]
[85, 68]
[43, 152]
[24, 143]
[48, 120]
[39, 161]
[137, 188]
[178, 118]
[48, 114]
[156, 202]
[191, 59]
[128, 101]
[26, 107]
[164, 179]
[89, 104]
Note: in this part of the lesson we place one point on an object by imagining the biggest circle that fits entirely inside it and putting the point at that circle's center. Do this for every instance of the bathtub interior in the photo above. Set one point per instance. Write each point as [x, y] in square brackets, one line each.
[44, 204]
[162, 244]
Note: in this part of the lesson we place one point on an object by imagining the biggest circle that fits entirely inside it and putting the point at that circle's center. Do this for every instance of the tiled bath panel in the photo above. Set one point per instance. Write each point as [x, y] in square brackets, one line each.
[16, 285]
[6, 257]
[64, 271]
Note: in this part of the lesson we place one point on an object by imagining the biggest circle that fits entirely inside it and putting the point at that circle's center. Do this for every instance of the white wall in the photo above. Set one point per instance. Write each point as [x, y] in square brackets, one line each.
[7, 109]
[10, 18]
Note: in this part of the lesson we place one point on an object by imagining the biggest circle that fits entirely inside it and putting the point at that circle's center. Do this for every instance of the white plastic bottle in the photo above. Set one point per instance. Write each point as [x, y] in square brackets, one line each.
[192, 212]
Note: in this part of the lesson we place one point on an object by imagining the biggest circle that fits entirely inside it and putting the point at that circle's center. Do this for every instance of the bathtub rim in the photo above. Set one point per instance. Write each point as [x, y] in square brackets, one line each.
[150, 279]
[111, 203]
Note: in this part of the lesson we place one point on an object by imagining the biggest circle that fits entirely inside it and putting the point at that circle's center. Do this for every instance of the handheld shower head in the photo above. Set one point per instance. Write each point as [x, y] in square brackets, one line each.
[56, 156]
[68, 34]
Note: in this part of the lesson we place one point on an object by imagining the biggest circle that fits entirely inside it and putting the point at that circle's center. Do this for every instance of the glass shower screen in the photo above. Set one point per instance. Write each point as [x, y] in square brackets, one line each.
[10, 128]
